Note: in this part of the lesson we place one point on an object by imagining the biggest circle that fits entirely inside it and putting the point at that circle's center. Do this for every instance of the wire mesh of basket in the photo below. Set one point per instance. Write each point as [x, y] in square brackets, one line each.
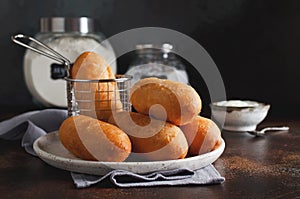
[98, 98]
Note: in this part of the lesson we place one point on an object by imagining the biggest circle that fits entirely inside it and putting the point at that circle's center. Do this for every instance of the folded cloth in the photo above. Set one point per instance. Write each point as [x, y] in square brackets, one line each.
[120, 178]
[31, 125]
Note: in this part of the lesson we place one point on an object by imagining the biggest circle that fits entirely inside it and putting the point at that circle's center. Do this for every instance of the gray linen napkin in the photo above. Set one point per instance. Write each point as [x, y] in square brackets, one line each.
[31, 125]
[120, 178]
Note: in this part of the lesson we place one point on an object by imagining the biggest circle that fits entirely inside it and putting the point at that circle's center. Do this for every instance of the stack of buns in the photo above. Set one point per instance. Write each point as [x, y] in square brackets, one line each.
[165, 126]
[178, 104]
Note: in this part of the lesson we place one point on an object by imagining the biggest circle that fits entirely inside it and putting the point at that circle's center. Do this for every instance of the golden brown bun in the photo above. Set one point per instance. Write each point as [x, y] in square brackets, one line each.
[180, 101]
[97, 99]
[92, 139]
[202, 134]
[90, 65]
[156, 141]
[107, 98]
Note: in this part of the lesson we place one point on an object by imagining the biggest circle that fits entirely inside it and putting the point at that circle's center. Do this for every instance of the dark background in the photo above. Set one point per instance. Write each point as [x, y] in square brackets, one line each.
[254, 43]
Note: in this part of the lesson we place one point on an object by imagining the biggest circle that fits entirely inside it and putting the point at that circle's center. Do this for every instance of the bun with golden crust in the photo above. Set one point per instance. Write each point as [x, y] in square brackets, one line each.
[91, 139]
[95, 99]
[202, 134]
[91, 66]
[179, 103]
[152, 139]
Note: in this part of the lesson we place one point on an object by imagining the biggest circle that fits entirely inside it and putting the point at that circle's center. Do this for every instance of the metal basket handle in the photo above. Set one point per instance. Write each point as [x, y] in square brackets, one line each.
[55, 55]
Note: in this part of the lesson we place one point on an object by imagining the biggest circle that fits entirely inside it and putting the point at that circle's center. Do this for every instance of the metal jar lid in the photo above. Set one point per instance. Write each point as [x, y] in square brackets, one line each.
[62, 24]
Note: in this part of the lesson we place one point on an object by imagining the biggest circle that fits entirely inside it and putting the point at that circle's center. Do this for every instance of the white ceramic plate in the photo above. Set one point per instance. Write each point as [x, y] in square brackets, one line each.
[50, 149]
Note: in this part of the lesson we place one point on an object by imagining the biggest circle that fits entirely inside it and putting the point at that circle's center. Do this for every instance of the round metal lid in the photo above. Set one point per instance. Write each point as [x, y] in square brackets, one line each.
[62, 24]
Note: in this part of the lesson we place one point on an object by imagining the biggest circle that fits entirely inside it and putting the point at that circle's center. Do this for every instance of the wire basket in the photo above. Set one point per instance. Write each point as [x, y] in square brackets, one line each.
[98, 98]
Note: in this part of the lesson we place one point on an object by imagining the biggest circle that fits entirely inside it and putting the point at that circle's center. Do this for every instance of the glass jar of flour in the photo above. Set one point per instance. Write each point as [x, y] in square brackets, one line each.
[157, 61]
[70, 37]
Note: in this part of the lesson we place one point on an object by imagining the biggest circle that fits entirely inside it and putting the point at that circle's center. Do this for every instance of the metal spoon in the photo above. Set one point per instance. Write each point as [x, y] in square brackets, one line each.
[262, 132]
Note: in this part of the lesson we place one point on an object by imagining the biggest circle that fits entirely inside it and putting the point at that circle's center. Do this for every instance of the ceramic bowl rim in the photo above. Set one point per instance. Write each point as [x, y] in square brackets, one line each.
[261, 106]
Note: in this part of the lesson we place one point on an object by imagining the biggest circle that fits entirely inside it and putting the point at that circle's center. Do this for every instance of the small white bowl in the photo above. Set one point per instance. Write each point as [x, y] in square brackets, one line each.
[239, 115]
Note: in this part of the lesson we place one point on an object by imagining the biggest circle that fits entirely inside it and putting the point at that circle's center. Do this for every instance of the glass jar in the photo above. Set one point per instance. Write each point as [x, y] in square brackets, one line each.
[70, 37]
[157, 61]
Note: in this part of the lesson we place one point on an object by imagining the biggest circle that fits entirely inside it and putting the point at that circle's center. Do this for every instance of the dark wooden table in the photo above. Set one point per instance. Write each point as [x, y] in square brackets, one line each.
[264, 167]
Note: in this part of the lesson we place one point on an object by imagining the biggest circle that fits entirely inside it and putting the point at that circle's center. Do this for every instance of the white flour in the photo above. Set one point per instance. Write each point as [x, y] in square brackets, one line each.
[237, 103]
